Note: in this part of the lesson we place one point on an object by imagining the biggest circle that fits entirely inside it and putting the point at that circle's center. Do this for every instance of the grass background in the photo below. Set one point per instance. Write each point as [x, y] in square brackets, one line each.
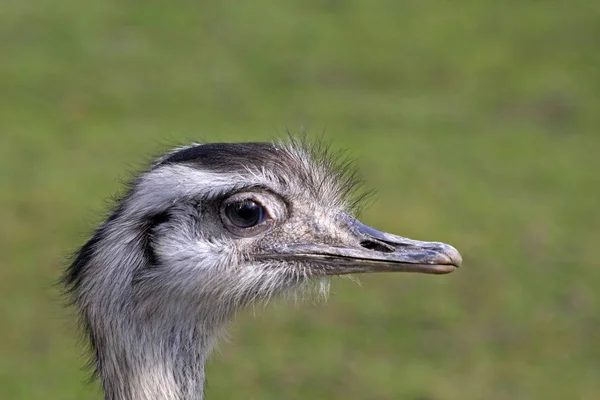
[477, 121]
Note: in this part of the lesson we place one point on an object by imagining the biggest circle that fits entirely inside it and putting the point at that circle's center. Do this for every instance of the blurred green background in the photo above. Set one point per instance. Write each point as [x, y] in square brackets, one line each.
[476, 121]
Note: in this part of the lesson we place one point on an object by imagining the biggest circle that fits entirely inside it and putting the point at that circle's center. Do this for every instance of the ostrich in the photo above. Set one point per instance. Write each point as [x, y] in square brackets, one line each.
[208, 229]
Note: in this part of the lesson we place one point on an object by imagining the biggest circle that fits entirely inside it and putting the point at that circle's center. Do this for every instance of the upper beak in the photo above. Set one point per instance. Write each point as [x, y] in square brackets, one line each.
[375, 251]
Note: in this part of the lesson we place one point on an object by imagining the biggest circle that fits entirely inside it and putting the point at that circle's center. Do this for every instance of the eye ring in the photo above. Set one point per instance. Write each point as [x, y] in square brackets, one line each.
[245, 216]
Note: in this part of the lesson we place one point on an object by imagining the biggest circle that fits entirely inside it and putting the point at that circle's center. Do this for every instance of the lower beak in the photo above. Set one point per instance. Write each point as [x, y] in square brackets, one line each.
[377, 251]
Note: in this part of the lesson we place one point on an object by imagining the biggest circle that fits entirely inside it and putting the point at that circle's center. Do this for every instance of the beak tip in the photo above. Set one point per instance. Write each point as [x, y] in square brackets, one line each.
[447, 255]
[453, 256]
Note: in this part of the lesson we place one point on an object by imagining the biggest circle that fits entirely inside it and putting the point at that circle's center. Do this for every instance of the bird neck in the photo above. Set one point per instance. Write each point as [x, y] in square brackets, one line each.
[148, 344]
[157, 360]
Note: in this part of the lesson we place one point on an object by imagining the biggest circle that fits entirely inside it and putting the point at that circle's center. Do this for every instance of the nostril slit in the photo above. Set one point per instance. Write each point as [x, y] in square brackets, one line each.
[376, 246]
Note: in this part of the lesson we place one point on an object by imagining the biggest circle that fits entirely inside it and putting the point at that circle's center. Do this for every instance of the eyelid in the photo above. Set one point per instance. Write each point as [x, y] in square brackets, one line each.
[249, 195]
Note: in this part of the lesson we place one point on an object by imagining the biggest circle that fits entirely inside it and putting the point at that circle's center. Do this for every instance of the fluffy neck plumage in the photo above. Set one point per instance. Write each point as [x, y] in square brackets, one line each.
[151, 340]
[155, 361]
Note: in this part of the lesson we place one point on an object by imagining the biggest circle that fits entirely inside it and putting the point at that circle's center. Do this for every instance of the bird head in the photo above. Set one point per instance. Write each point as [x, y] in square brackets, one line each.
[231, 223]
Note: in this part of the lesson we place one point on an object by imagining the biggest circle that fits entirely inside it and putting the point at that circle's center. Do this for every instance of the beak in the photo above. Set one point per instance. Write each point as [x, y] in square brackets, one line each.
[376, 251]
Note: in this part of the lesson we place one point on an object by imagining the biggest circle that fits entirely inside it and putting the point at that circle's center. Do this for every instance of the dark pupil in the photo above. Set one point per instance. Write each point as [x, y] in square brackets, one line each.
[244, 214]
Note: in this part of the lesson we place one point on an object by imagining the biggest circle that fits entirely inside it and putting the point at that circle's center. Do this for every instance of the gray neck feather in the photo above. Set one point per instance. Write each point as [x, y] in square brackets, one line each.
[150, 344]
[143, 362]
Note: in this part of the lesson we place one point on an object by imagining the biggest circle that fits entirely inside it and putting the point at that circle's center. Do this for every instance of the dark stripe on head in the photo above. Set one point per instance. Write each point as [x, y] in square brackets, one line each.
[227, 157]
[147, 230]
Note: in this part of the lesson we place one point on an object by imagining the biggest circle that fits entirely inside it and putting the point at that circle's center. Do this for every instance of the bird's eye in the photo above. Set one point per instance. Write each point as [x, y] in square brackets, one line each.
[245, 216]
[245, 213]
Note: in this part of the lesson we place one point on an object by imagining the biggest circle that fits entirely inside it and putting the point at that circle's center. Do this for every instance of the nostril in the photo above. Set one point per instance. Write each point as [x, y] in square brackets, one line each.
[376, 246]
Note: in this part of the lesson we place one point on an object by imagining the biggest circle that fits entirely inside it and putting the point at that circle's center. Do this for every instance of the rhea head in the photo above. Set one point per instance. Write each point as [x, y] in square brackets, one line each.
[206, 230]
